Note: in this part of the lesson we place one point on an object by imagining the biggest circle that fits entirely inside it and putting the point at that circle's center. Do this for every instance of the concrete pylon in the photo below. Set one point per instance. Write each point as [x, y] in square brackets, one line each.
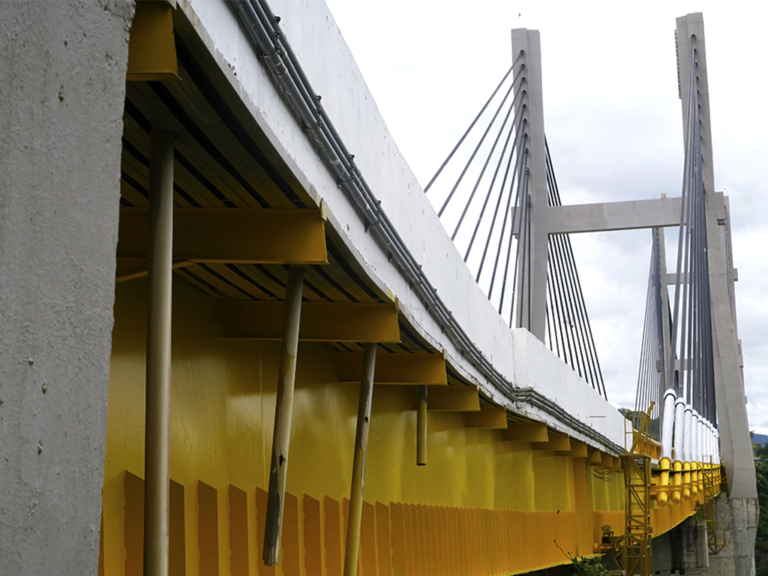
[739, 511]
[532, 293]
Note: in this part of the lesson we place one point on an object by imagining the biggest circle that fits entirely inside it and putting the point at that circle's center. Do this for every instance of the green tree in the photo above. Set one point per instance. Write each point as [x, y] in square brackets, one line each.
[761, 542]
[589, 566]
[585, 565]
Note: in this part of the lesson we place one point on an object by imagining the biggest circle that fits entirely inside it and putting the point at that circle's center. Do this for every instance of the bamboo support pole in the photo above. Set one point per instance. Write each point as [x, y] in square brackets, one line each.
[421, 428]
[283, 410]
[358, 470]
[157, 439]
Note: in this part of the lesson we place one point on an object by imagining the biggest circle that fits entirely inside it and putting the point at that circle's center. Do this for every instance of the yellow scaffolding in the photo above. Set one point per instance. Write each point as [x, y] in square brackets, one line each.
[708, 509]
[632, 551]
[636, 542]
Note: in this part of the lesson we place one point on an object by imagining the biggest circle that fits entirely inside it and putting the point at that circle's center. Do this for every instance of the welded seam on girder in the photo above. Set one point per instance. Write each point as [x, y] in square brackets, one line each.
[264, 30]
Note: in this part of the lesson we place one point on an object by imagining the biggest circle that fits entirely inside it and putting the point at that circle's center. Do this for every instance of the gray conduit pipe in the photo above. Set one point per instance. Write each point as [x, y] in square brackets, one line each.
[264, 30]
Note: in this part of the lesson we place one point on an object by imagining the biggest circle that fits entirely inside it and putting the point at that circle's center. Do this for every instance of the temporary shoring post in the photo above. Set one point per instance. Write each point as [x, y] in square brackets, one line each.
[533, 296]
[157, 441]
[358, 468]
[729, 387]
[421, 428]
[278, 470]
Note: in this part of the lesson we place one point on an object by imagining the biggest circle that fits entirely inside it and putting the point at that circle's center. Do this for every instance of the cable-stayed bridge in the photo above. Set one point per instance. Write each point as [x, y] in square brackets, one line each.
[311, 369]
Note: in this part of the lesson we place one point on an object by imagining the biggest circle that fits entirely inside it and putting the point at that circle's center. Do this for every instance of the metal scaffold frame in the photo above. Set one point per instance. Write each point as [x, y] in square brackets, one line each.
[708, 509]
[636, 542]
[632, 550]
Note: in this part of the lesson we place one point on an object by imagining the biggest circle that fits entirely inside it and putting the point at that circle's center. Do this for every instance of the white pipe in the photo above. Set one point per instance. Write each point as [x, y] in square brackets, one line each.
[717, 447]
[669, 423]
[679, 417]
[707, 450]
[695, 453]
[700, 438]
[687, 421]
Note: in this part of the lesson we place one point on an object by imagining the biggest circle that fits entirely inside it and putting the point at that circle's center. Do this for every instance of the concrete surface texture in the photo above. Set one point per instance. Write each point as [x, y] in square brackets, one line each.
[739, 517]
[536, 366]
[63, 72]
[684, 549]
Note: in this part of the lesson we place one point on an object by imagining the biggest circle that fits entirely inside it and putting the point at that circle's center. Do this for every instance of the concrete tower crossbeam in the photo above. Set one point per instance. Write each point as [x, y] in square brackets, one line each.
[611, 216]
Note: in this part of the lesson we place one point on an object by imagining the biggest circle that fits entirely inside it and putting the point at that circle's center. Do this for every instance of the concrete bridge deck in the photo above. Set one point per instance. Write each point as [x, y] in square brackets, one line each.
[518, 445]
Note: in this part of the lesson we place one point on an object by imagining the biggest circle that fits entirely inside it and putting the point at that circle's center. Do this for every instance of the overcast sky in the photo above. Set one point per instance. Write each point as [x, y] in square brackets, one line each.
[613, 122]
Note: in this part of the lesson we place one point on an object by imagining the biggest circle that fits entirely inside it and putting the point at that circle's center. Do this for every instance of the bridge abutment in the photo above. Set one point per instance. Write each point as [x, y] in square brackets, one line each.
[685, 550]
[738, 516]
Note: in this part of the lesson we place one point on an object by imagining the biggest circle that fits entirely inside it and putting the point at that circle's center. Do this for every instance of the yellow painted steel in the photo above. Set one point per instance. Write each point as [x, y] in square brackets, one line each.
[663, 494]
[526, 432]
[636, 543]
[677, 480]
[631, 547]
[453, 399]
[708, 510]
[555, 442]
[133, 268]
[320, 321]
[151, 47]
[412, 369]
[244, 235]
[578, 450]
[490, 417]
[482, 504]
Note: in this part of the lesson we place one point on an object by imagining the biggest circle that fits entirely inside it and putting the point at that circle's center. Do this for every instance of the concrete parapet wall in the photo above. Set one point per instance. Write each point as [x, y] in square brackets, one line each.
[536, 366]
